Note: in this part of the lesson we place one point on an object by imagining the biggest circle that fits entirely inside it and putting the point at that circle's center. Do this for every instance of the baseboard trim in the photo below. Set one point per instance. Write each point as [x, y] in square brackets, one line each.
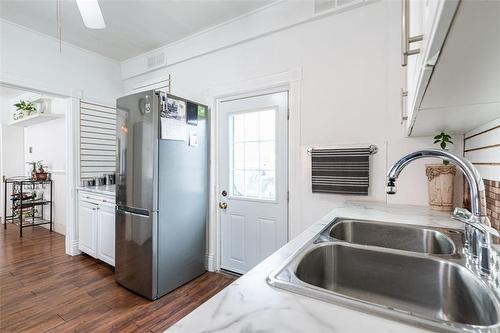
[210, 262]
[57, 227]
[73, 249]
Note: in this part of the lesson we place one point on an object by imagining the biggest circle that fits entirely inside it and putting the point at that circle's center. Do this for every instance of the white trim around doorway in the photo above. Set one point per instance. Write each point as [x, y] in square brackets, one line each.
[286, 81]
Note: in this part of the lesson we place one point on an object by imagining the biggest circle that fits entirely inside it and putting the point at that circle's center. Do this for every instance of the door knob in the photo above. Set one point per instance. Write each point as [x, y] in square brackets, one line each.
[222, 205]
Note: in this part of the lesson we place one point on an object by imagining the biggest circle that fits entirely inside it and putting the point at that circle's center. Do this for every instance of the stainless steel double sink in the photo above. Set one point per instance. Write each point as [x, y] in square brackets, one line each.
[409, 273]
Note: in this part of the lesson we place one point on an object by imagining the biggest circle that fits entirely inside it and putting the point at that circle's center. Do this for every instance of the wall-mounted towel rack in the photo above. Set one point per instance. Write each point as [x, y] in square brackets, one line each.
[372, 148]
[341, 170]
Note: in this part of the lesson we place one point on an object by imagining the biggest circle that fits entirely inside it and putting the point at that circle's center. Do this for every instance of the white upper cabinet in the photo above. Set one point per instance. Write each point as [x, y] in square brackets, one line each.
[453, 84]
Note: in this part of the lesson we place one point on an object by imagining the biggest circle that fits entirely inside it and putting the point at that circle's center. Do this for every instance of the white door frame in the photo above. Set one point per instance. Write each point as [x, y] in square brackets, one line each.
[71, 237]
[286, 81]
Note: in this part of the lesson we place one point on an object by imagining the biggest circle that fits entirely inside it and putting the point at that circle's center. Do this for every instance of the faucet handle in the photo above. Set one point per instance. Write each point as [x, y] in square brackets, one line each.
[462, 214]
[487, 229]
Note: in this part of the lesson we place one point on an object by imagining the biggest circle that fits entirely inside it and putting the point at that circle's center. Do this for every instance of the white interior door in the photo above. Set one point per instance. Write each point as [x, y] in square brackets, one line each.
[253, 148]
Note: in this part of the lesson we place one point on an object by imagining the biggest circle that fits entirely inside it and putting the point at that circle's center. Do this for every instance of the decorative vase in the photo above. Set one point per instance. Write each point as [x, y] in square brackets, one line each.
[440, 179]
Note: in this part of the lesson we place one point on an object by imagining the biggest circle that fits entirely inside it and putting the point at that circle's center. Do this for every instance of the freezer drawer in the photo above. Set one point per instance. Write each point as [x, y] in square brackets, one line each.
[134, 262]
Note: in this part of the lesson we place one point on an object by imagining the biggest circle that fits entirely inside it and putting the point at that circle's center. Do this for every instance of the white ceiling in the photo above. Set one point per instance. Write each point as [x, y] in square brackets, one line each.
[132, 26]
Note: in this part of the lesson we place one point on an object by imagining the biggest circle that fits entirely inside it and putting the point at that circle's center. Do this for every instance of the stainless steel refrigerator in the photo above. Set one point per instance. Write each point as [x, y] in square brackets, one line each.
[161, 192]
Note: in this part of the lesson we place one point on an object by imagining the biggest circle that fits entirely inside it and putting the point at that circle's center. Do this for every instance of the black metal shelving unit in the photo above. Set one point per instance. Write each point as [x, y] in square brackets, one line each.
[27, 201]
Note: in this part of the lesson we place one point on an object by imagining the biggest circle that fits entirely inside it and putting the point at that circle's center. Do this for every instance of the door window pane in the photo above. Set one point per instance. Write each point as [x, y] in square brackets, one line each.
[239, 156]
[267, 155]
[238, 183]
[267, 184]
[252, 182]
[239, 129]
[252, 142]
[267, 125]
[251, 124]
[251, 156]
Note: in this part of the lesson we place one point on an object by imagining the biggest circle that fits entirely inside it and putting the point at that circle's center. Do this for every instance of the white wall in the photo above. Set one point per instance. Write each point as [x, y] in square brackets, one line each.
[32, 60]
[13, 142]
[11, 147]
[351, 80]
[48, 143]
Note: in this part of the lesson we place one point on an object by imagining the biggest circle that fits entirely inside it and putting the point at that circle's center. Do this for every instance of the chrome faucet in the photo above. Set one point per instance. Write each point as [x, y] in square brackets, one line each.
[477, 226]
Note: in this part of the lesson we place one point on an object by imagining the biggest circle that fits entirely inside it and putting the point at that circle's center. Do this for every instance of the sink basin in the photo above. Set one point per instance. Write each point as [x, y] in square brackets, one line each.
[376, 268]
[389, 235]
[426, 287]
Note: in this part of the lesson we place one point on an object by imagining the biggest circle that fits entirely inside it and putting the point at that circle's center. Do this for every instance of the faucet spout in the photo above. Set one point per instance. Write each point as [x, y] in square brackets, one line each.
[477, 228]
[476, 185]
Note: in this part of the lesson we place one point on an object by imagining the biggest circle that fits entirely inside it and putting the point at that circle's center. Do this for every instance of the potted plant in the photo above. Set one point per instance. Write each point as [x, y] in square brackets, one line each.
[440, 178]
[38, 171]
[24, 109]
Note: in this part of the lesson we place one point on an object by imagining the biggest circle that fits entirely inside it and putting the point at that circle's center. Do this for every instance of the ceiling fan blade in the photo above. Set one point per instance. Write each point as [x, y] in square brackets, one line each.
[91, 14]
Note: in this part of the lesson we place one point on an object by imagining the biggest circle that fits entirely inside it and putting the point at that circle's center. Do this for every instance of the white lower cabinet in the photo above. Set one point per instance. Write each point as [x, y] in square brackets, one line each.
[96, 227]
[106, 234]
[87, 227]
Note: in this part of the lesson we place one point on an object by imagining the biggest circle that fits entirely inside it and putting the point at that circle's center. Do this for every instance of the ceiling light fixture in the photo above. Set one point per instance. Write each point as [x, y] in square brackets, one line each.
[91, 14]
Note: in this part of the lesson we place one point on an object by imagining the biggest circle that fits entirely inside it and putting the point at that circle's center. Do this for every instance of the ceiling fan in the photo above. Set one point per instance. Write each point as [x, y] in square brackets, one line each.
[91, 14]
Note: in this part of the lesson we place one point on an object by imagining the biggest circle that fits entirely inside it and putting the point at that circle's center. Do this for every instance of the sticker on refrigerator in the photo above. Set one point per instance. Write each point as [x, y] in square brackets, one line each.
[202, 111]
[193, 139]
[176, 109]
[173, 121]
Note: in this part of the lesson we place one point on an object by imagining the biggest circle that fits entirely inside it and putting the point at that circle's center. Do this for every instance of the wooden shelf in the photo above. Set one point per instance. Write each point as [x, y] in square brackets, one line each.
[36, 118]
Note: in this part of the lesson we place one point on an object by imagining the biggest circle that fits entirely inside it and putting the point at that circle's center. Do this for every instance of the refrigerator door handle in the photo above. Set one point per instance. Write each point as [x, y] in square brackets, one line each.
[133, 211]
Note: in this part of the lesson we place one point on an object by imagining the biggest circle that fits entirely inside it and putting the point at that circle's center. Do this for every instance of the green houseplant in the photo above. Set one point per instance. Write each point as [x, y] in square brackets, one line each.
[443, 140]
[24, 109]
[440, 178]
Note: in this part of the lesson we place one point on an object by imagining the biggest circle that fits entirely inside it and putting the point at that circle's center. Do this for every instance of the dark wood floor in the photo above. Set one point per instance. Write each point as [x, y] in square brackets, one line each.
[44, 290]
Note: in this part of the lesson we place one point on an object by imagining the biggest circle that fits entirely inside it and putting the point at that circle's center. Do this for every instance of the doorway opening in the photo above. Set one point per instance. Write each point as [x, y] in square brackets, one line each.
[34, 153]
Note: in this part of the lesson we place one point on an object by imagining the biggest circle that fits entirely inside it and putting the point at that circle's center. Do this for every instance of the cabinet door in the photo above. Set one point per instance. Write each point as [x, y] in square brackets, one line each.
[106, 234]
[87, 227]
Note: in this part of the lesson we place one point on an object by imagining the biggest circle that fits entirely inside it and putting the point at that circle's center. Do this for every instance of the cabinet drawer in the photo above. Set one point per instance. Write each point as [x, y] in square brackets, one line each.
[96, 198]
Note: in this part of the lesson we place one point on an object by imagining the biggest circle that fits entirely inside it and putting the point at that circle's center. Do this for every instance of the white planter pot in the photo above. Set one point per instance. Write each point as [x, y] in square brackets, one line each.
[440, 180]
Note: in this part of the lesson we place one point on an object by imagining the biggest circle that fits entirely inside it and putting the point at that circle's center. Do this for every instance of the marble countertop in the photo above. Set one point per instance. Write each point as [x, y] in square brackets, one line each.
[102, 189]
[251, 305]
